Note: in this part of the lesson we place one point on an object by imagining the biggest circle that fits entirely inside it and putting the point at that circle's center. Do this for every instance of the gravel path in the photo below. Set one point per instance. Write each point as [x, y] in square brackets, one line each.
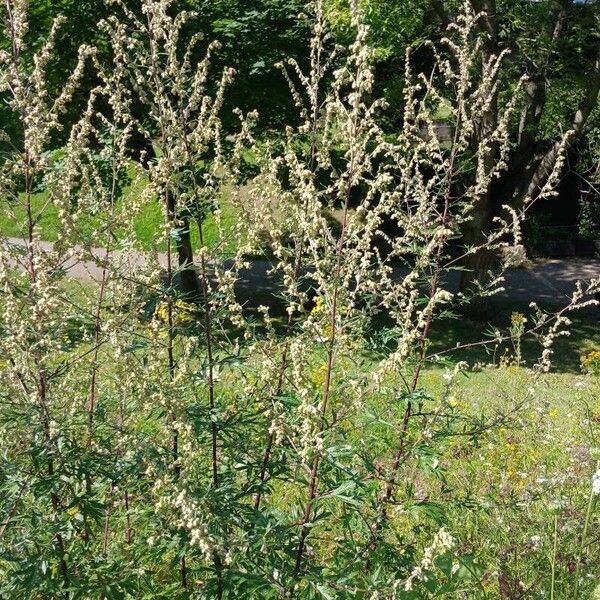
[549, 281]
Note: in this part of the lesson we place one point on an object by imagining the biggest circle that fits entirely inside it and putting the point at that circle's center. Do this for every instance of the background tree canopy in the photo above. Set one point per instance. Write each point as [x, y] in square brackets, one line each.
[553, 42]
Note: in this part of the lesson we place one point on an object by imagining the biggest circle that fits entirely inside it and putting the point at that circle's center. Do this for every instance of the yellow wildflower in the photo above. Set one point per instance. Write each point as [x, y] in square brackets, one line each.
[318, 375]
[183, 313]
[590, 362]
[319, 305]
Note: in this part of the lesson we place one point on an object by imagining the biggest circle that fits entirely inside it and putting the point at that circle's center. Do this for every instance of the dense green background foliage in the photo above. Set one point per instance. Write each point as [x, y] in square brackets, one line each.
[176, 423]
[554, 42]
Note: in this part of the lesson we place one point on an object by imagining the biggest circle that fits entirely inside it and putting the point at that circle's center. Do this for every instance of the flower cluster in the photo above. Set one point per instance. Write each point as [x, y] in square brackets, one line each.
[163, 429]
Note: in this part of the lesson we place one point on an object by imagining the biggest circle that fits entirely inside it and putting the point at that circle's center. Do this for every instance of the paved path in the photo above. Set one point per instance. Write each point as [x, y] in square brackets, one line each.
[549, 281]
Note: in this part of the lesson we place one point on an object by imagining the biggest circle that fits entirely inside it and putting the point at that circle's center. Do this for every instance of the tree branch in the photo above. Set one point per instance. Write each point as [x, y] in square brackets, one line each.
[577, 127]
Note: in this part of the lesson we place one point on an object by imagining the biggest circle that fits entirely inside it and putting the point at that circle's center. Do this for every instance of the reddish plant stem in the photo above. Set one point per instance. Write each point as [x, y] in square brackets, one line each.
[280, 378]
[128, 530]
[314, 471]
[97, 317]
[170, 215]
[42, 383]
[106, 529]
[41, 371]
[209, 338]
[408, 412]
[290, 321]
[93, 394]
[211, 392]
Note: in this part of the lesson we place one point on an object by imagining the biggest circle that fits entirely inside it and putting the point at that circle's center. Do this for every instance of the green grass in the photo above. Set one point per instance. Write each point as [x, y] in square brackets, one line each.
[584, 337]
[496, 488]
[13, 222]
[152, 218]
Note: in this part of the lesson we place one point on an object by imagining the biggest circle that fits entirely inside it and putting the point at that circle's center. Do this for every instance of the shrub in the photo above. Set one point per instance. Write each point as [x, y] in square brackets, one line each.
[162, 444]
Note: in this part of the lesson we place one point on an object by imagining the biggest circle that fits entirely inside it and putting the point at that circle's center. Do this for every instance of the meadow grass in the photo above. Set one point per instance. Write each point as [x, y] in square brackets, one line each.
[512, 487]
[13, 222]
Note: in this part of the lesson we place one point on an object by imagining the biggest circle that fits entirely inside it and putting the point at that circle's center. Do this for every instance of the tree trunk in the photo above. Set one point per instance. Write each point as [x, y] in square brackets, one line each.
[142, 151]
[477, 268]
[190, 284]
[532, 163]
[478, 265]
[476, 231]
[187, 276]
